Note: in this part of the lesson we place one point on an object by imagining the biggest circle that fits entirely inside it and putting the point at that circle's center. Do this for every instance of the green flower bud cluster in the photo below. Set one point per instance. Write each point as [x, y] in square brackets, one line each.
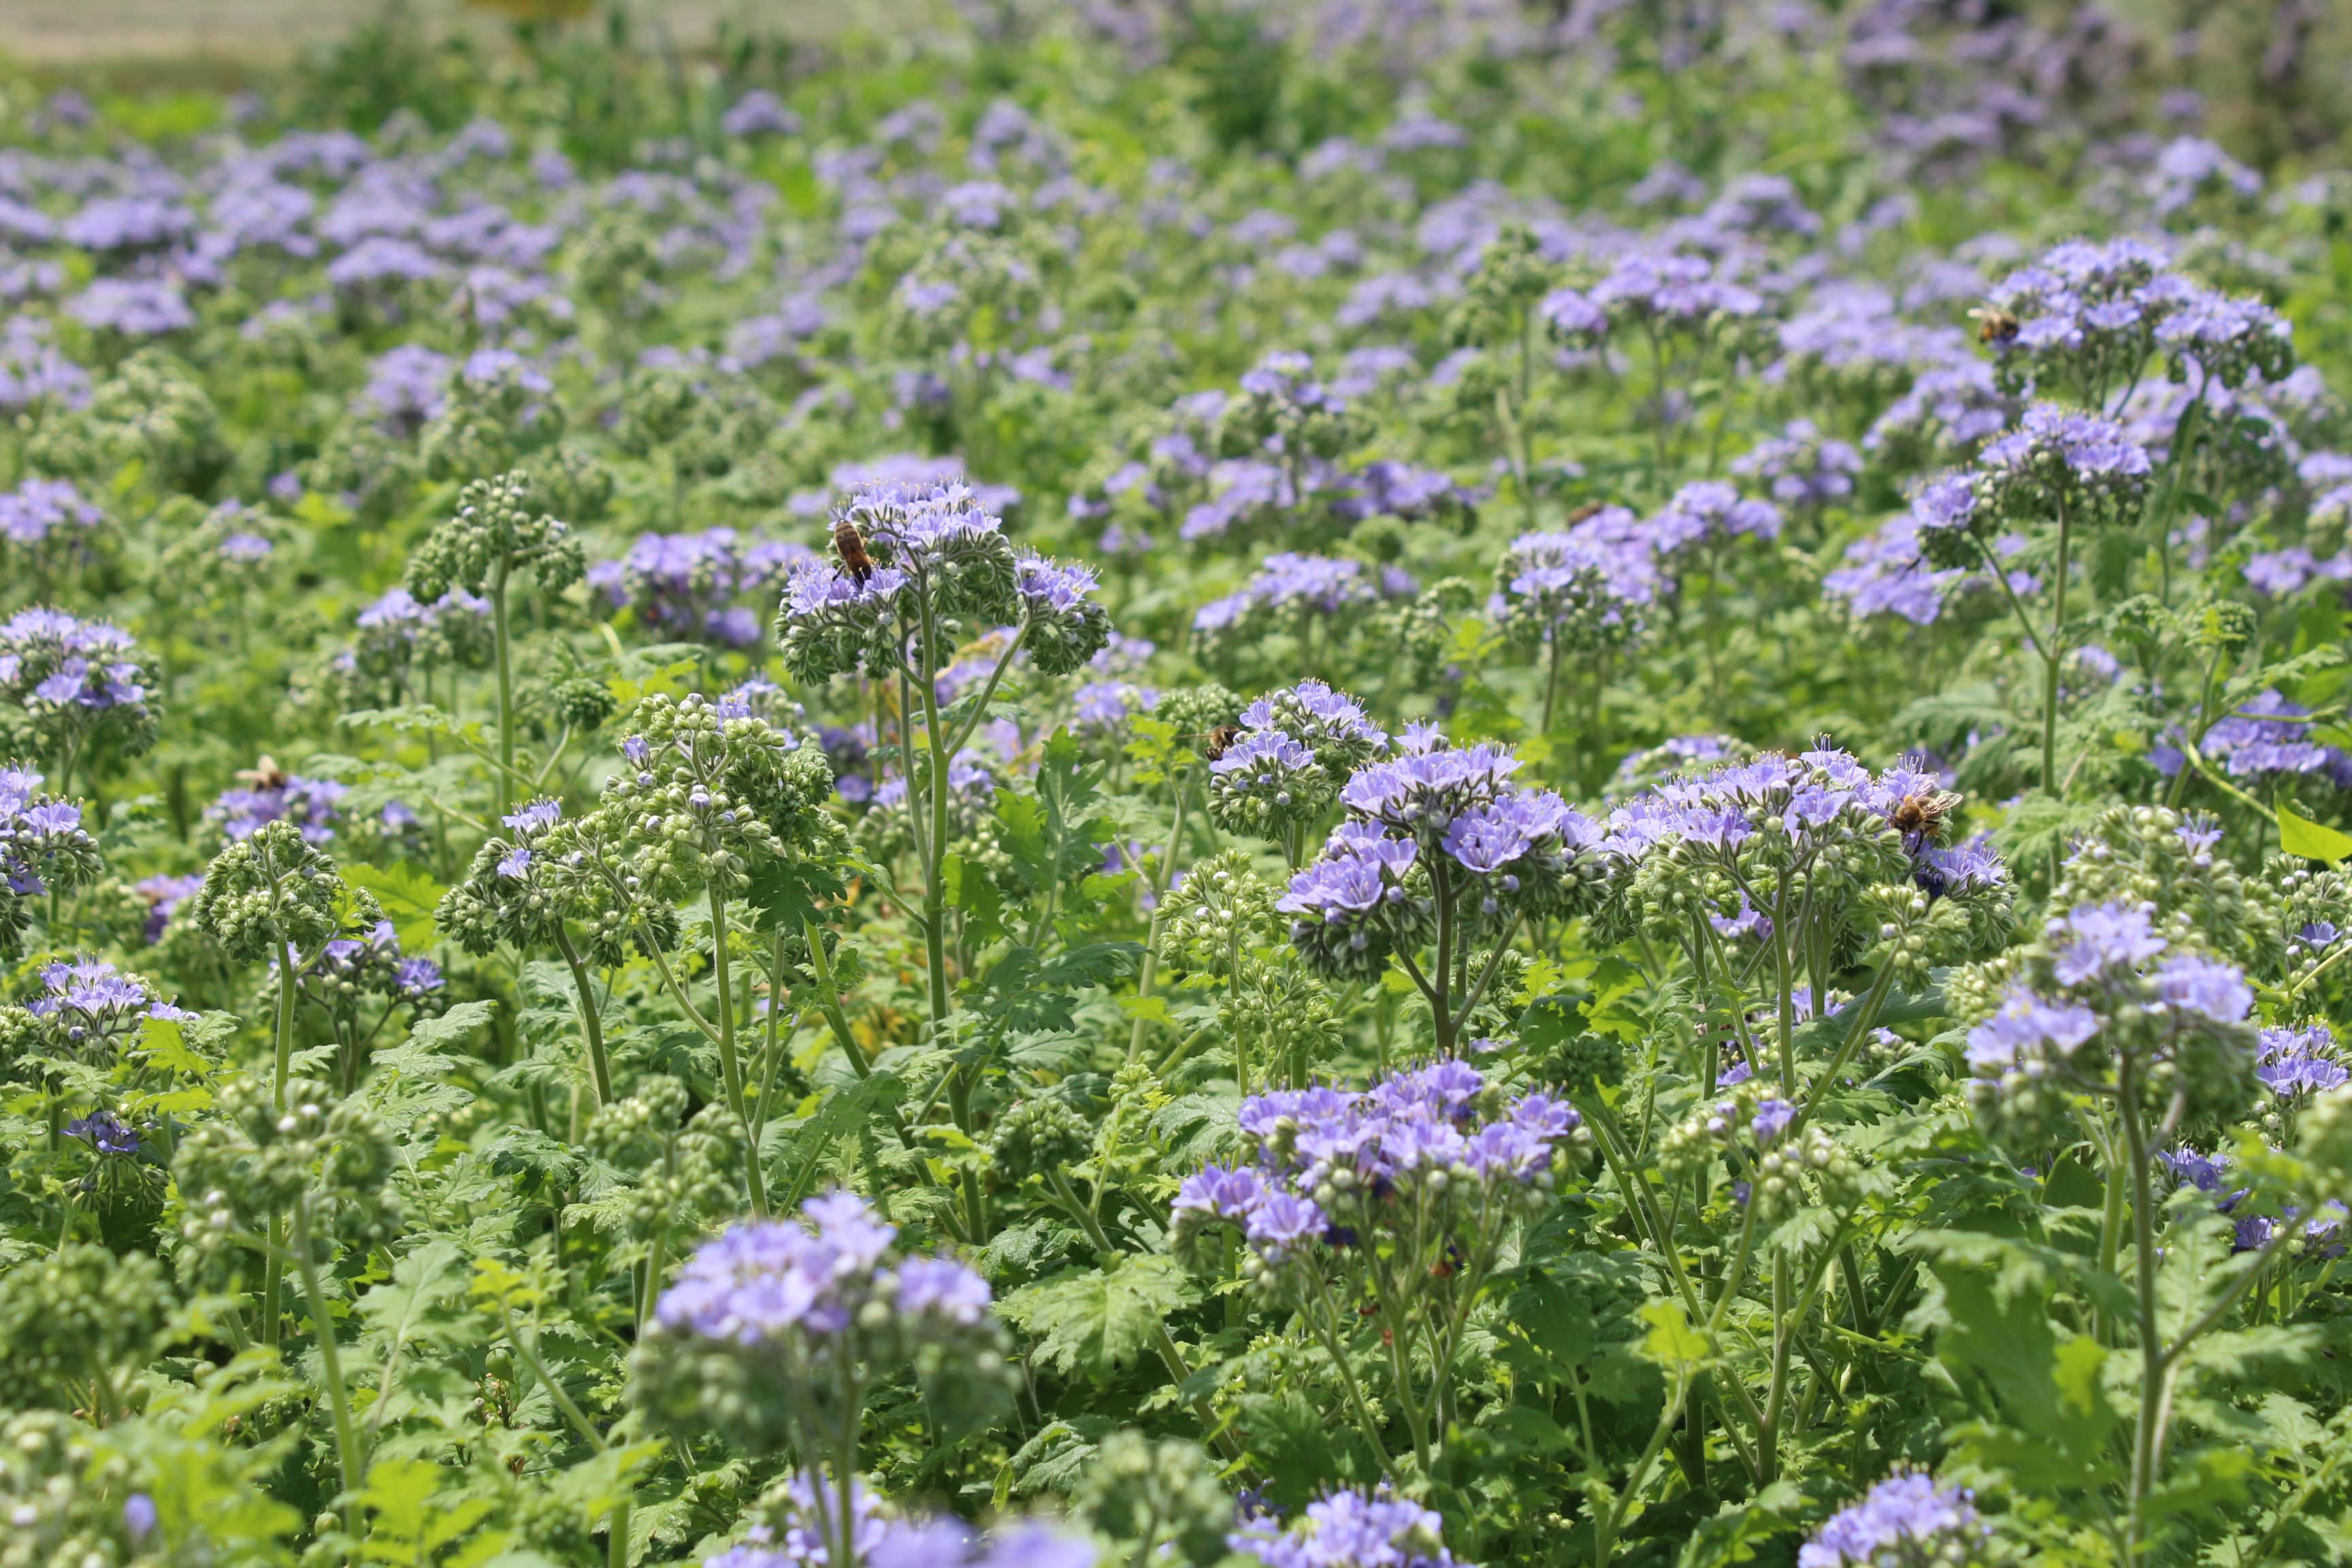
[2154, 856]
[1218, 913]
[1512, 275]
[363, 461]
[496, 412]
[2324, 1138]
[572, 482]
[1816, 1168]
[1160, 1501]
[654, 409]
[616, 266]
[267, 893]
[705, 799]
[194, 563]
[1282, 409]
[2315, 906]
[1420, 628]
[984, 289]
[494, 532]
[153, 411]
[1197, 711]
[1282, 1018]
[253, 1161]
[1915, 932]
[704, 422]
[695, 1182]
[1040, 1138]
[79, 1317]
[70, 1501]
[1710, 1132]
[580, 702]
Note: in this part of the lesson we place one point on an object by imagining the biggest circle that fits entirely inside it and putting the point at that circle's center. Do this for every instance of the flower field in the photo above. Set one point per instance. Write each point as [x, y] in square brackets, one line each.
[1166, 784]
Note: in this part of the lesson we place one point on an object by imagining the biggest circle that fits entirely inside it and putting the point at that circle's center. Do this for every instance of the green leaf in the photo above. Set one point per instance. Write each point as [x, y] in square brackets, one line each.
[451, 1032]
[2298, 834]
[786, 892]
[408, 894]
[1095, 1321]
[163, 1043]
[1552, 1021]
[1672, 1342]
[969, 888]
[2053, 1420]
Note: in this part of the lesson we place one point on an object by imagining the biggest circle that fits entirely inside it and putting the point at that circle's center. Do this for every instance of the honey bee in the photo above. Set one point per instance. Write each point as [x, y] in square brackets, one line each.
[1589, 508]
[1919, 817]
[850, 545]
[1220, 738]
[1994, 325]
[265, 774]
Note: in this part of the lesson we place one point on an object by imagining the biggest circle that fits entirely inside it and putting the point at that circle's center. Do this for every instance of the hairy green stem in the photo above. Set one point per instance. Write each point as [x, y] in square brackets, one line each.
[591, 1023]
[729, 1065]
[351, 1458]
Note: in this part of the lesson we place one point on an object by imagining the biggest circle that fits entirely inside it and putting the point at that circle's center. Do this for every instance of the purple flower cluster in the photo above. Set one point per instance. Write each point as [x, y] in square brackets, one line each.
[38, 509]
[1673, 290]
[1707, 513]
[2103, 967]
[72, 674]
[2266, 737]
[684, 584]
[1434, 836]
[938, 552]
[1797, 806]
[1330, 724]
[801, 1538]
[1331, 1162]
[1063, 626]
[271, 796]
[373, 962]
[163, 894]
[88, 1004]
[133, 307]
[42, 839]
[2297, 1063]
[1292, 592]
[1903, 1519]
[1349, 1529]
[765, 1282]
[1573, 589]
[1800, 467]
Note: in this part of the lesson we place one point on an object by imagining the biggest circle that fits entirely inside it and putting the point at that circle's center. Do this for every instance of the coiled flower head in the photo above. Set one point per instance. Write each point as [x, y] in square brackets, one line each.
[493, 532]
[268, 891]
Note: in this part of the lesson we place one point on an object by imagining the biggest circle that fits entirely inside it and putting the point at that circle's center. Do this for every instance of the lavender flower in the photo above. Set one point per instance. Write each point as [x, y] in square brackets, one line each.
[1903, 1519]
[1349, 1529]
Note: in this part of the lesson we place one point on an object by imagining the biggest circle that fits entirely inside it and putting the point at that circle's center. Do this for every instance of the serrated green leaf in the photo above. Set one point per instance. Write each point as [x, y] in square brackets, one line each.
[408, 894]
[1095, 1322]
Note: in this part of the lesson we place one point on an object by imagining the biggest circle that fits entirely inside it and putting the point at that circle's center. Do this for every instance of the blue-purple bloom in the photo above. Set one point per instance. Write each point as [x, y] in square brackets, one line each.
[1904, 1518]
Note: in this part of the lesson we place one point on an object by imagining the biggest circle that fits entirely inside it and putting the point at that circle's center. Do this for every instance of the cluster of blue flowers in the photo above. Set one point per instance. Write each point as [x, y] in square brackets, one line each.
[1342, 1168]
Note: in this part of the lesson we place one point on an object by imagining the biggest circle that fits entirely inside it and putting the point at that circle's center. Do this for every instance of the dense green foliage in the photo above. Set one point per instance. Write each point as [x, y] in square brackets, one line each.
[1127, 772]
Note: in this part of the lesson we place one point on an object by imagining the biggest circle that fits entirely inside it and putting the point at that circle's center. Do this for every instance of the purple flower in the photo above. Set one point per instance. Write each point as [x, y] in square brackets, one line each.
[1901, 1517]
[2099, 938]
[2296, 1063]
[1349, 1529]
[1282, 1221]
[134, 307]
[1223, 1193]
[2026, 1029]
[2206, 986]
